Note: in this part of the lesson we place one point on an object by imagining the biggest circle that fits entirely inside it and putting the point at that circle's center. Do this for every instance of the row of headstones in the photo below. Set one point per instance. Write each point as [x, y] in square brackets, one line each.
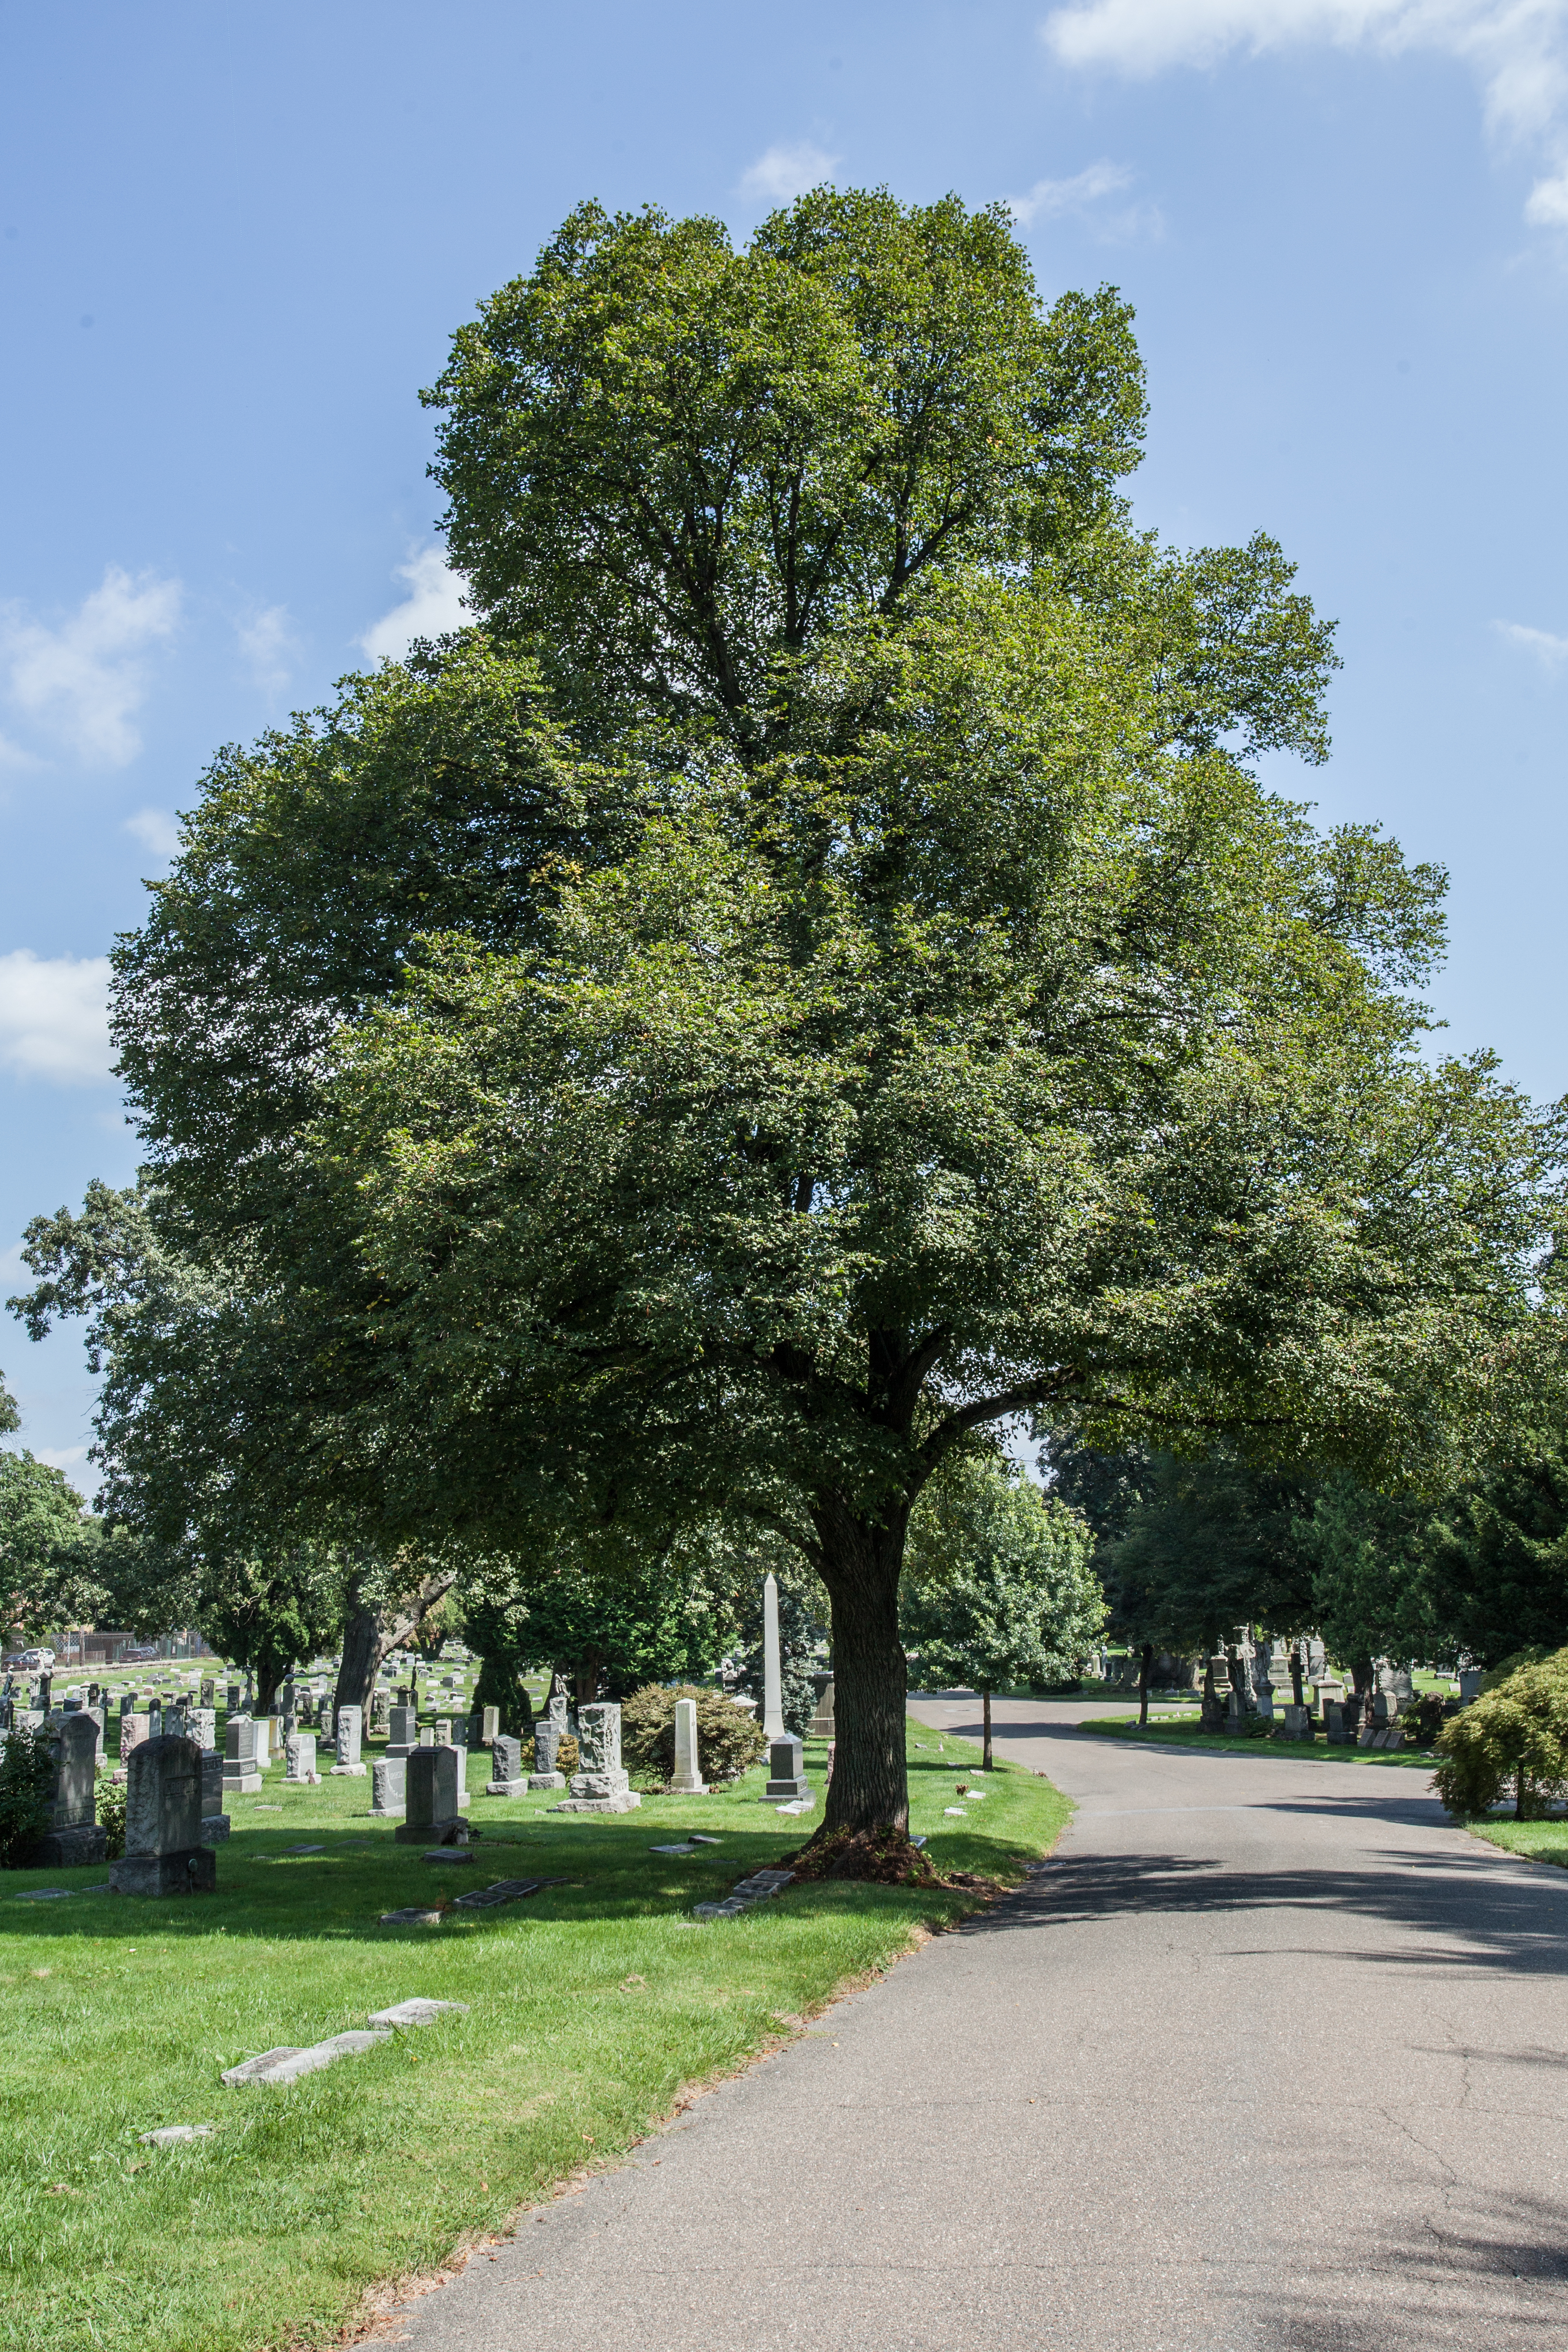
[173, 1810]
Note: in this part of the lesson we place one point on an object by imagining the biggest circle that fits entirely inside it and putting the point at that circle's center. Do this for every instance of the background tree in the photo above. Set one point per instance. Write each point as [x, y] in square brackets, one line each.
[46, 1539]
[999, 1586]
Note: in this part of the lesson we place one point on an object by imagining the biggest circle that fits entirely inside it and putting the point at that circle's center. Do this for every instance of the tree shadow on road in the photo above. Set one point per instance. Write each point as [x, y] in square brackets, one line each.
[1491, 2273]
[1456, 1916]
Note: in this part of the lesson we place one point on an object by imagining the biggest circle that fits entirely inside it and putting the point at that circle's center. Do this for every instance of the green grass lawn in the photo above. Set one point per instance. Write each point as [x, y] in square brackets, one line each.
[1536, 1841]
[590, 2005]
[1267, 1743]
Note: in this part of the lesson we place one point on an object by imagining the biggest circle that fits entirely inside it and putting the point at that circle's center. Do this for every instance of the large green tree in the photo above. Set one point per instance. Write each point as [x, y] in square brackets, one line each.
[819, 976]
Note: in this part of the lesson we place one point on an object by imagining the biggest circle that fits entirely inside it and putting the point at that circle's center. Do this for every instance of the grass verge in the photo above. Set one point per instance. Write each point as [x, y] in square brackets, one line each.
[590, 2005]
[1536, 1841]
[1266, 1743]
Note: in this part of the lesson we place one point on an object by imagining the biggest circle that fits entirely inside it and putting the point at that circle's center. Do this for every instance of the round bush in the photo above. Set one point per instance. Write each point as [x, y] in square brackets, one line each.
[567, 1758]
[728, 1738]
[1514, 1738]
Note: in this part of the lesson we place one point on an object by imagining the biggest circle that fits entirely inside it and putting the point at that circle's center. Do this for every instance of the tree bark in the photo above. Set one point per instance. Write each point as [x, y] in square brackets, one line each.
[370, 1634]
[985, 1747]
[1297, 1691]
[860, 1564]
[1145, 1667]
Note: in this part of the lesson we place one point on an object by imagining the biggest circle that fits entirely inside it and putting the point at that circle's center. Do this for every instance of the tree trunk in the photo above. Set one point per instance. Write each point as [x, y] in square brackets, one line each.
[370, 1634]
[1297, 1689]
[986, 1749]
[1145, 1666]
[861, 1566]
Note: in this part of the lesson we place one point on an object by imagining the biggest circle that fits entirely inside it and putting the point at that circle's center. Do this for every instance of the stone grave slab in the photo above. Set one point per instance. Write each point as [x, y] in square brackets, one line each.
[418, 2012]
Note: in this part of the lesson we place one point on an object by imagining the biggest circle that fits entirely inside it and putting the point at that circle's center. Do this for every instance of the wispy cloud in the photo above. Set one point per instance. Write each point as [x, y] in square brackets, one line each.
[61, 1457]
[267, 645]
[433, 606]
[156, 830]
[1548, 651]
[81, 683]
[54, 1016]
[1517, 50]
[784, 173]
[1085, 197]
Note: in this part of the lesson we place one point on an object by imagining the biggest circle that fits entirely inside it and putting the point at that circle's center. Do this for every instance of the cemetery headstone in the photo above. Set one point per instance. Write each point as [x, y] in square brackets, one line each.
[214, 1820]
[202, 1722]
[489, 1725]
[232, 1700]
[822, 1723]
[242, 1758]
[349, 1764]
[687, 1780]
[134, 1730]
[164, 1850]
[443, 1731]
[786, 1769]
[506, 1768]
[1470, 1681]
[299, 1757]
[73, 1835]
[402, 1730]
[431, 1811]
[547, 1738]
[209, 1691]
[773, 1680]
[388, 1780]
[600, 1785]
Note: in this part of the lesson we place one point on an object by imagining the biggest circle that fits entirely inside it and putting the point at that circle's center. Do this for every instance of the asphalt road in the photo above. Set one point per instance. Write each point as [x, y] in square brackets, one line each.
[1273, 2059]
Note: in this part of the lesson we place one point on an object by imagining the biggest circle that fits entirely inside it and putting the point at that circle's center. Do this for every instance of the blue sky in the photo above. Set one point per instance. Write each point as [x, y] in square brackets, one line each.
[234, 241]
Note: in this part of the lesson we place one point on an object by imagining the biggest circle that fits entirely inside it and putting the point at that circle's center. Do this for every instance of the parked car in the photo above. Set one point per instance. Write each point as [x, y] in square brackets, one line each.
[44, 1658]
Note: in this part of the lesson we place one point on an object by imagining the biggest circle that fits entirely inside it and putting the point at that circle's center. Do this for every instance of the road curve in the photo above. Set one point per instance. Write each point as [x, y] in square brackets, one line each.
[1272, 2060]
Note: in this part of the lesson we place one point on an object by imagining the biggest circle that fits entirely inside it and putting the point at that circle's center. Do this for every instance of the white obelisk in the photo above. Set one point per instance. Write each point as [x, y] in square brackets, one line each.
[773, 1683]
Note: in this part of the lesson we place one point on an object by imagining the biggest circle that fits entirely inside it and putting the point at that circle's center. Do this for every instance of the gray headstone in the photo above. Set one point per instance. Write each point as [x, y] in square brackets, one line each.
[164, 1850]
[388, 1777]
[599, 1773]
[431, 1789]
[402, 1730]
[506, 1768]
[299, 1756]
[687, 1781]
[786, 1769]
[349, 1722]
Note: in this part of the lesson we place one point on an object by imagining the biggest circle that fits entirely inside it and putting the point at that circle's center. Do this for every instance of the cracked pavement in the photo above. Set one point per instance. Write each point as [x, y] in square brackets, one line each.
[1274, 2061]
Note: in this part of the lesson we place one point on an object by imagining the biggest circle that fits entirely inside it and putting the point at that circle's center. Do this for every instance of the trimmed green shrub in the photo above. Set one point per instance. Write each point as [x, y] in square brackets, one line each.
[26, 1792]
[1514, 1738]
[1494, 1678]
[728, 1738]
[566, 1754]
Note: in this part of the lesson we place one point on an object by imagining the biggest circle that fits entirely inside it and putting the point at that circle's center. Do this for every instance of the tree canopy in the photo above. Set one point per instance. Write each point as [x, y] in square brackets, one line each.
[813, 976]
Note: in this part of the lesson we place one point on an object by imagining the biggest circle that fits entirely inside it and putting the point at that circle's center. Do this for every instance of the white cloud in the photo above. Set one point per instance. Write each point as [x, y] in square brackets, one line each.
[267, 645]
[61, 1457]
[1517, 49]
[1547, 650]
[156, 830]
[433, 606]
[83, 682]
[1547, 204]
[1083, 198]
[54, 1016]
[785, 173]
